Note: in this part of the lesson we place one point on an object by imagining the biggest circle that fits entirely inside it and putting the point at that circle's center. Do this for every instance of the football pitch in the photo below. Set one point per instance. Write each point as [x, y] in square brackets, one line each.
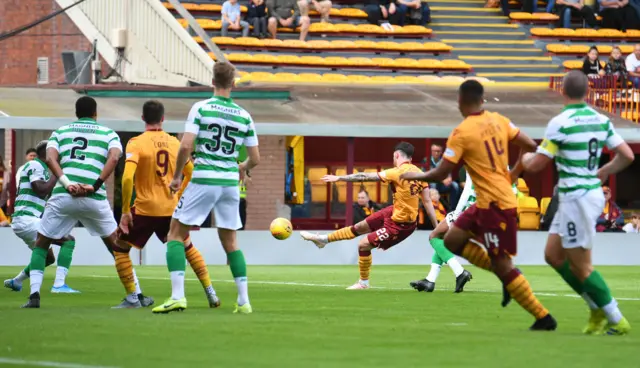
[303, 317]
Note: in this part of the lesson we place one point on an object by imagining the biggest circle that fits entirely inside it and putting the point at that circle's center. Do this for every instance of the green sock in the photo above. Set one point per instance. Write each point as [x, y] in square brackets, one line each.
[597, 289]
[237, 264]
[38, 259]
[436, 259]
[442, 251]
[176, 259]
[66, 254]
[570, 278]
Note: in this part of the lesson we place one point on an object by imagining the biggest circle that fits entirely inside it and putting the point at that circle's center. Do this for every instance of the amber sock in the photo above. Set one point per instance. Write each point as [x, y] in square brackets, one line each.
[198, 265]
[125, 271]
[476, 255]
[364, 264]
[346, 233]
[521, 292]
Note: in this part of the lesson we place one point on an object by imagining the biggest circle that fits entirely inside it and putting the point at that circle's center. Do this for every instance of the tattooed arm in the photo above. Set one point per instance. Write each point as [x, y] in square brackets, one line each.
[357, 177]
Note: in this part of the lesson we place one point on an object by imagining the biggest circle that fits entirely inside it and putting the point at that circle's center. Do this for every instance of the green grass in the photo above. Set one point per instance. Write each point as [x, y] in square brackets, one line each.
[318, 325]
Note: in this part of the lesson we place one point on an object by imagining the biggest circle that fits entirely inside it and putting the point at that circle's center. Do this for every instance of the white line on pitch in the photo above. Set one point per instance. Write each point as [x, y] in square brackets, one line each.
[292, 283]
[41, 363]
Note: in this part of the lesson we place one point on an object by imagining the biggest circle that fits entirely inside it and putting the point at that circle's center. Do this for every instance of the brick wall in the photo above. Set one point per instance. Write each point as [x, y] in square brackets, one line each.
[265, 194]
[18, 54]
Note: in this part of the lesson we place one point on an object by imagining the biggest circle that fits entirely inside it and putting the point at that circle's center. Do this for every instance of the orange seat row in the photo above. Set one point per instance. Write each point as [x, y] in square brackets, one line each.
[537, 17]
[585, 33]
[357, 62]
[251, 42]
[583, 49]
[352, 78]
[217, 8]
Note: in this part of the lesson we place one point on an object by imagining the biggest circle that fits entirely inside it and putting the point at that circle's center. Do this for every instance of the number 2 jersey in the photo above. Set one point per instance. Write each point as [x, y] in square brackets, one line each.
[222, 127]
[83, 147]
[575, 139]
[155, 153]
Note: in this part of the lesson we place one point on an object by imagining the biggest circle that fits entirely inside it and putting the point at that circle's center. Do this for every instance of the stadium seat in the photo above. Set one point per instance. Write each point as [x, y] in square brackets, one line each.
[522, 186]
[528, 213]
[544, 204]
[318, 187]
[371, 186]
[341, 186]
[577, 64]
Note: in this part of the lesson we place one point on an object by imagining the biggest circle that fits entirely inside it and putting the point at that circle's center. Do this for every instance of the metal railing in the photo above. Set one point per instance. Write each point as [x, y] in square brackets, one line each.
[158, 49]
[612, 94]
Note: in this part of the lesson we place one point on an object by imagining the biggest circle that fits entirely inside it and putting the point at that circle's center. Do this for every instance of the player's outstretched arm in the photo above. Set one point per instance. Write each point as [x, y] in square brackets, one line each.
[357, 177]
[43, 188]
[441, 172]
[428, 205]
[623, 158]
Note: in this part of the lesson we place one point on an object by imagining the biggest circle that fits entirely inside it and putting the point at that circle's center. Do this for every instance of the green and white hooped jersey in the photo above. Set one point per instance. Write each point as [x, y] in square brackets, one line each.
[27, 201]
[83, 147]
[575, 139]
[222, 127]
[468, 196]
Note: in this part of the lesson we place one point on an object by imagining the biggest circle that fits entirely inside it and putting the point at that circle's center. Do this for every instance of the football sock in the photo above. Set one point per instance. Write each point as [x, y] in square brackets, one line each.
[345, 233]
[520, 290]
[597, 289]
[23, 275]
[364, 264]
[38, 261]
[176, 263]
[124, 268]
[64, 262]
[238, 268]
[434, 272]
[576, 285]
[136, 282]
[476, 255]
[198, 265]
[446, 256]
[455, 266]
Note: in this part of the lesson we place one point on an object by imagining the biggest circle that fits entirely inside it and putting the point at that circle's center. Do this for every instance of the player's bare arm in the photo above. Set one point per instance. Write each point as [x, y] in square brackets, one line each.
[526, 145]
[53, 163]
[623, 158]
[109, 166]
[428, 205]
[357, 177]
[441, 172]
[43, 188]
[186, 147]
[253, 159]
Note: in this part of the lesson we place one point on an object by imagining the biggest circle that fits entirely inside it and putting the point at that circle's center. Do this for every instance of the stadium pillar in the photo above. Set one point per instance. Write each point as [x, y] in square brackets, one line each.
[351, 143]
[427, 155]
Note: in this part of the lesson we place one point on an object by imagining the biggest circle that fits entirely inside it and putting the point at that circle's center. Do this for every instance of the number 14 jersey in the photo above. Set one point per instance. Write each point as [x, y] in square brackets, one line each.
[155, 153]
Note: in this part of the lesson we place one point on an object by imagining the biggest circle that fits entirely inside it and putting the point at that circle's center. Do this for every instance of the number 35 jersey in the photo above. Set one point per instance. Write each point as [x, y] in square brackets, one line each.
[155, 153]
[406, 194]
[83, 147]
[575, 139]
[482, 141]
[222, 127]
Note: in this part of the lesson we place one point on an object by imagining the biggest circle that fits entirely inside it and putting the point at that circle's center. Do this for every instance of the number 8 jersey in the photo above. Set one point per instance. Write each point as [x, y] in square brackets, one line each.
[222, 127]
[83, 147]
[575, 139]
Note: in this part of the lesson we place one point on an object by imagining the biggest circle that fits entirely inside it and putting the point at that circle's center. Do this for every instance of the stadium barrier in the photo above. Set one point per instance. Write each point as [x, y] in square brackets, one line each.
[611, 94]
[261, 248]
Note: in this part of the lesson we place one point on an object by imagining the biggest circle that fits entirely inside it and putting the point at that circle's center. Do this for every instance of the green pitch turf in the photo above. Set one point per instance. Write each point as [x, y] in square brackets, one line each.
[303, 317]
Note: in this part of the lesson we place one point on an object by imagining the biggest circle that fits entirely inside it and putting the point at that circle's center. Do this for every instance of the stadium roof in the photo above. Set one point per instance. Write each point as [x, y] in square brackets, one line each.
[394, 111]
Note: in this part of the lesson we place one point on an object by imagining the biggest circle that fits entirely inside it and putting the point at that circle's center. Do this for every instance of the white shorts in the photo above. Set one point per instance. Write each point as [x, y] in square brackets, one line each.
[26, 228]
[575, 220]
[451, 217]
[198, 200]
[63, 213]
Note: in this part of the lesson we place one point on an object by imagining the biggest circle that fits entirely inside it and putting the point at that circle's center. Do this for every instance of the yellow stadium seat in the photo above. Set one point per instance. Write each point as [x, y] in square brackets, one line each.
[626, 49]
[557, 48]
[387, 45]
[369, 28]
[333, 11]
[383, 62]
[222, 40]
[522, 186]
[567, 32]
[360, 61]
[335, 60]
[343, 44]
[632, 33]
[334, 77]
[586, 32]
[271, 43]
[545, 16]
[365, 44]
[322, 27]
[572, 64]
[351, 13]
[240, 58]
[260, 76]
[294, 44]
[167, 5]
[415, 29]
[309, 77]
[604, 49]
[341, 186]
[541, 32]
[311, 60]
[183, 22]
[405, 63]
[611, 33]
[429, 64]
[409, 46]
[437, 46]
[248, 41]
[264, 58]
[520, 16]
[454, 64]
[190, 6]
[345, 28]
[544, 204]
[528, 213]
[287, 59]
[318, 187]
[213, 7]
[319, 44]
[285, 77]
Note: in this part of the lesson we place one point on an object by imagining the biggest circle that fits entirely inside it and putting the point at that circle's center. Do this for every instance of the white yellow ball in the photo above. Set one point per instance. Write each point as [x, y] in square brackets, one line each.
[281, 228]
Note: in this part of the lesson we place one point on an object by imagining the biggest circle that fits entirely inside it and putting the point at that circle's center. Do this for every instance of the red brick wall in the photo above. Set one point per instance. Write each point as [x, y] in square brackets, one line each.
[18, 54]
[266, 192]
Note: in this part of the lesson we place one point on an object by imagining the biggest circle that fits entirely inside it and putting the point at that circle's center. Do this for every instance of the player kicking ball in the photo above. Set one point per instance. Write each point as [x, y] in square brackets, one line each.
[34, 187]
[150, 159]
[482, 141]
[389, 226]
[215, 129]
[574, 139]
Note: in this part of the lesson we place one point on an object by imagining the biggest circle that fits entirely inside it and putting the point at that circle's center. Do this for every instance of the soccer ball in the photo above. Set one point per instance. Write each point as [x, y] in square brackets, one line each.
[281, 228]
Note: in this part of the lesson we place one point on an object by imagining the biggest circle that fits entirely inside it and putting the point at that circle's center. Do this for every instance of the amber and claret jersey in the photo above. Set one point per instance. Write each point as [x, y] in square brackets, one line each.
[406, 194]
[482, 141]
[155, 153]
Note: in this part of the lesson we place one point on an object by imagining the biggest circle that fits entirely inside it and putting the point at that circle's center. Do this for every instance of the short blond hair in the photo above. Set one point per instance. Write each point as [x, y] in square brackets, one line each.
[224, 74]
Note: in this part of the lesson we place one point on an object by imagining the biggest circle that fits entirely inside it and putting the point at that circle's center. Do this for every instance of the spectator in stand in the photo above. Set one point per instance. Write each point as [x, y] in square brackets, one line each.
[441, 212]
[231, 18]
[568, 8]
[418, 12]
[286, 13]
[633, 66]
[618, 14]
[634, 225]
[591, 65]
[323, 7]
[385, 10]
[257, 17]
[364, 207]
[616, 66]
[611, 219]
[447, 185]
